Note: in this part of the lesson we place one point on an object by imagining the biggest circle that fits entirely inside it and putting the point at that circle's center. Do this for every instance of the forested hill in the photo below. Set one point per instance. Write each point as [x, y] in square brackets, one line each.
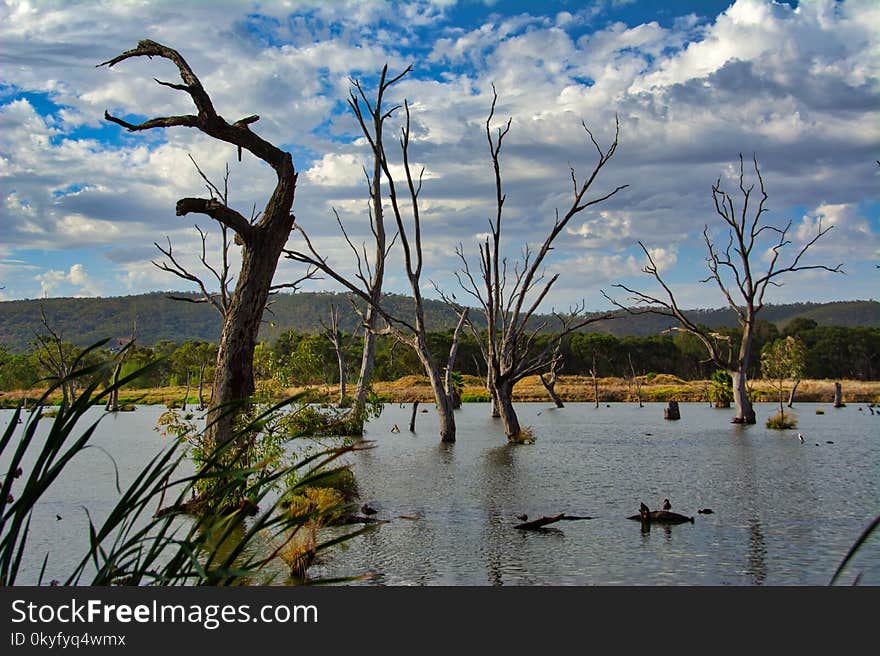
[84, 321]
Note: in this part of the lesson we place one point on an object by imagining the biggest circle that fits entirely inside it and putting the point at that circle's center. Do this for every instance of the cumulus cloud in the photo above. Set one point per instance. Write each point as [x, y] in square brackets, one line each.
[796, 86]
[80, 282]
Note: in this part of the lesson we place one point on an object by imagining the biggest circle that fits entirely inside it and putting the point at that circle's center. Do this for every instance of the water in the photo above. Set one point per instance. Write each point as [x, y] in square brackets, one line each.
[785, 513]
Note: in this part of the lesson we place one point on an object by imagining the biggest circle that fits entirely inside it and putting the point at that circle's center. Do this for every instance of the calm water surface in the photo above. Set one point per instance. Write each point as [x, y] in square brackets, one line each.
[785, 512]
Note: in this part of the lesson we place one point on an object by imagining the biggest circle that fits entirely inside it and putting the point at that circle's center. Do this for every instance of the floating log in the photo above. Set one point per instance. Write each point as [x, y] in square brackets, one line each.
[544, 521]
[352, 518]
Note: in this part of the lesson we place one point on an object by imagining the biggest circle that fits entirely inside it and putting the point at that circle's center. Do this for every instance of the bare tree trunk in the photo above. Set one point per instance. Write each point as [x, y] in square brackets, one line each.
[186, 393]
[340, 359]
[550, 385]
[792, 392]
[202, 367]
[549, 382]
[595, 381]
[334, 336]
[744, 414]
[368, 363]
[636, 382]
[113, 399]
[412, 417]
[445, 411]
[494, 411]
[234, 372]
[451, 392]
[508, 415]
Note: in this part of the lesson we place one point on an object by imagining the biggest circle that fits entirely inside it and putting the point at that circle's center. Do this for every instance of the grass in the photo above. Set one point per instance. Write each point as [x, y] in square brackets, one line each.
[782, 421]
[134, 545]
[660, 388]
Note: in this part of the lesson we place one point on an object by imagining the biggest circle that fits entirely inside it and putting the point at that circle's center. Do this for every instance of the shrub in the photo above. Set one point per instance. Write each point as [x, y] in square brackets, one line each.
[782, 421]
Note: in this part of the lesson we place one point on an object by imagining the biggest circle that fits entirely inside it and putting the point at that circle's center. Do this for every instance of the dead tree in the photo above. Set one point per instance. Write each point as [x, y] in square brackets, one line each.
[112, 404]
[549, 380]
[412, 331]
[372, 275]
[57, 358]
[449, 377]
[368, 280]
[736, 271]
[637, 383]
[334, 336]
[261, 239]
[509, 299]
[594, 370]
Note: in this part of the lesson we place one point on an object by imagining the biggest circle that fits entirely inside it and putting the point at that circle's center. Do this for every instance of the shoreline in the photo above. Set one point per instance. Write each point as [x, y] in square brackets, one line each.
[571, 389]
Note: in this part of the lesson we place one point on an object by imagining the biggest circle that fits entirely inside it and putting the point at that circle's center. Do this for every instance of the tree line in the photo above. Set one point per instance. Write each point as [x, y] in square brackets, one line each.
[299, 358]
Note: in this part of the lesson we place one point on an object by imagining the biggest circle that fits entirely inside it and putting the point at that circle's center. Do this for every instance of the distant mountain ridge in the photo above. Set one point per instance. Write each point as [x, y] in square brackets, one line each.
[155, 317]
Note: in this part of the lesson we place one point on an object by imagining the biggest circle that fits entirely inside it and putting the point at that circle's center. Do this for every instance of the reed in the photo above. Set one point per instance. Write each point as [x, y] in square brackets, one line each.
[139, 543]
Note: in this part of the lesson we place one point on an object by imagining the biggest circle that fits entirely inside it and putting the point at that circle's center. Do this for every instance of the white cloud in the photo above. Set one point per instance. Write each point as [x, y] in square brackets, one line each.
[798, 86]
[83, 284]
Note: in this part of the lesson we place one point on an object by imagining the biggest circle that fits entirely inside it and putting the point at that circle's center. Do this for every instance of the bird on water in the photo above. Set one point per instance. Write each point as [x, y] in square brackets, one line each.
[667, 505]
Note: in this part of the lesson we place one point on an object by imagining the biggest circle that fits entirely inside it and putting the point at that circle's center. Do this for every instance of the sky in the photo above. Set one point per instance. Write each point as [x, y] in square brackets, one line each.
[693, 84]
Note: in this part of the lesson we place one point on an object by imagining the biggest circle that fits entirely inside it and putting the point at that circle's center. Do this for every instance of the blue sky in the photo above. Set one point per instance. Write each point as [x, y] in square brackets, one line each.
[694, 83]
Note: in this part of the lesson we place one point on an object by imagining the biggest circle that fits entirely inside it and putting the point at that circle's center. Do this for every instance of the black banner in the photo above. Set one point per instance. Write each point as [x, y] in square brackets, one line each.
[147, 620]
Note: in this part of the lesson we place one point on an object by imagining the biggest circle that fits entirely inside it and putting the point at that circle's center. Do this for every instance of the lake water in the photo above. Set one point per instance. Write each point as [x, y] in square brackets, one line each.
[785, 513]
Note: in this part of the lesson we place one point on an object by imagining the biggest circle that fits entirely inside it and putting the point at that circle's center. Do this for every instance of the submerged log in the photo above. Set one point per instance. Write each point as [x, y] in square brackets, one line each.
[662, 517]
[544, 521]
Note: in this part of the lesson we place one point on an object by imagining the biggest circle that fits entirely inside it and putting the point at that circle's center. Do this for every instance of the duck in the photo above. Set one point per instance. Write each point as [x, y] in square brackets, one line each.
[367, 509]
[523, 518]
[667, 505]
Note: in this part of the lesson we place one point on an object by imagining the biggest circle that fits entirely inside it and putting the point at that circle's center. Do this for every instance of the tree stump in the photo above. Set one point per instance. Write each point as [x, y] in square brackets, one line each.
[412, 419]
[671, 411]
[838, 396]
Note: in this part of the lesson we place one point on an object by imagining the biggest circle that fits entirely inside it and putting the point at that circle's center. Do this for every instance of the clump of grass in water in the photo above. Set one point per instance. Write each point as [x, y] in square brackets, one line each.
[782, 421]
[131, 546]
[526, 436]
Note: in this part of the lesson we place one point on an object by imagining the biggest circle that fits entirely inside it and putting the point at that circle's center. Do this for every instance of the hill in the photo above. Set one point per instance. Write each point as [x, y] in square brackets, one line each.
[84, 321]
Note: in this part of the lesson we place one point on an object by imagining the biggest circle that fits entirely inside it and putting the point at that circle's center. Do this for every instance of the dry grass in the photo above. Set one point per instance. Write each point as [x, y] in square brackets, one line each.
[662, 387]
[407, 389]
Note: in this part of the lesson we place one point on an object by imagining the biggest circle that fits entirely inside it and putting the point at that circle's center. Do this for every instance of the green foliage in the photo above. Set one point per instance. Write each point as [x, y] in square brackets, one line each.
[299, 359]
[481, 396]
[783, 359]
[721, 390]
[133, 546]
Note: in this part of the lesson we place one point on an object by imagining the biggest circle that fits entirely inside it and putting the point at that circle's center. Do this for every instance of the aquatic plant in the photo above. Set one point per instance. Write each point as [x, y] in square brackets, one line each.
[133, 545]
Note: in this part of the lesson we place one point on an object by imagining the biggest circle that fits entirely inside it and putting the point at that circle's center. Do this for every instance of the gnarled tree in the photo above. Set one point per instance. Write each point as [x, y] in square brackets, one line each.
[509, 299]
[262, 238]
[738, 272]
